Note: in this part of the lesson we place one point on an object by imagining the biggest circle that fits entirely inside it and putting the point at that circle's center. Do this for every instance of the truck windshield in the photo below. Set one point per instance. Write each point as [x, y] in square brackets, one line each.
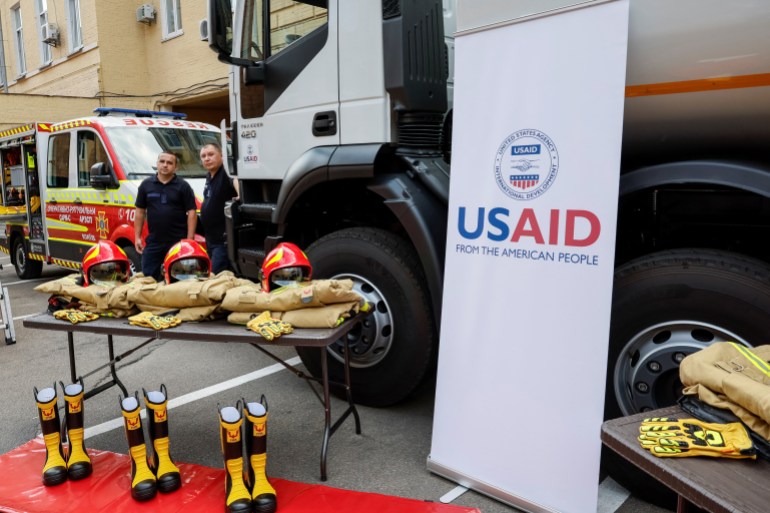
[137, 149]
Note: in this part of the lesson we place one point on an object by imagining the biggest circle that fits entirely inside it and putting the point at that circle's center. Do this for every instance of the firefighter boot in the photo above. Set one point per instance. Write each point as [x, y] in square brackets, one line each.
[237, 497]
[78, 462]
[55, 468]
[157, 413]
[255, 432]
[143, 486]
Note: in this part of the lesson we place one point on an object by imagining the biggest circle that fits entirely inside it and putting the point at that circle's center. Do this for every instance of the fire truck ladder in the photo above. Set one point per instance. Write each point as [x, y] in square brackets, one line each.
[6, 317]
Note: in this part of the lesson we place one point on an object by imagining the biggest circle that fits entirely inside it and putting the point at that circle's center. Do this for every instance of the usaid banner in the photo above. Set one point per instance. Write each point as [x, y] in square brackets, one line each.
[529, 257]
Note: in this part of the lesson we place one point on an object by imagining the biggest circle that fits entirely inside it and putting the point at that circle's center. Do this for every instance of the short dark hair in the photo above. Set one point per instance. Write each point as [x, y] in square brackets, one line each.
[176, 157]
[214, 144]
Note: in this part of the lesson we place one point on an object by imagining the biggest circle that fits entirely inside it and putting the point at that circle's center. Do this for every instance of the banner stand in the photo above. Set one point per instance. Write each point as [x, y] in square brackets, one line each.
[538, 120]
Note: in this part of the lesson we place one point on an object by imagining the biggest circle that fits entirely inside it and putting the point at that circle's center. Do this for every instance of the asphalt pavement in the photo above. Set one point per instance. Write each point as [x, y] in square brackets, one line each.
[389, 457]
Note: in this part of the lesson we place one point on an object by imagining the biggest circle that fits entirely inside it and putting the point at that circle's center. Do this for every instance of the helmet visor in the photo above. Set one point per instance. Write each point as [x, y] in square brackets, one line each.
[188, 269]
[108, 274]
[288, 276]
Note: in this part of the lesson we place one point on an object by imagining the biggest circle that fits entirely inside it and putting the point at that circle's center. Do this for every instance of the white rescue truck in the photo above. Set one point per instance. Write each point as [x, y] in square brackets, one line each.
[67, 185]
[342, 116]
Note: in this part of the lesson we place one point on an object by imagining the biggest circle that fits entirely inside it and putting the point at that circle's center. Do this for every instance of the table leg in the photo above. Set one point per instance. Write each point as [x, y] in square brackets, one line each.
[71, 348]
[327, 410]
[348, 389]
[685, 506]
[113, 370]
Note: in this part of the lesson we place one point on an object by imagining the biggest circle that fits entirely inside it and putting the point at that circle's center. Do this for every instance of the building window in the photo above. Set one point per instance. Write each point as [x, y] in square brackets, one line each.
[42, 21]
[18, 37]
[171, 17]
[73, 25]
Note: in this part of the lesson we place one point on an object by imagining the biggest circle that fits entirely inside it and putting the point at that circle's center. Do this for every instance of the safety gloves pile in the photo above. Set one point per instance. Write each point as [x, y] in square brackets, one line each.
[75, 316]
[268, 327]
[667, 437]
[156, 322]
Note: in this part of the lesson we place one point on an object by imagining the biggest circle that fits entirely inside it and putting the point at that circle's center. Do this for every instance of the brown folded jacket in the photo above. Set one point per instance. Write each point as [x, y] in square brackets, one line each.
[327, 316]
[110, 301]
[182, 294]
[313, 294]
[732, 377]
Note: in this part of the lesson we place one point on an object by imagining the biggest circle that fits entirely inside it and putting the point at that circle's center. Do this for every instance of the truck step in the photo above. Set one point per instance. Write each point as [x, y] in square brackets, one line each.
[258, 211]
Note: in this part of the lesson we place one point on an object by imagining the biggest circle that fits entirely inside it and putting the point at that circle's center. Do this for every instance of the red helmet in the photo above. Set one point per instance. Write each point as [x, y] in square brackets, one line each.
[284, 265]
[105, 264]
[186, 260]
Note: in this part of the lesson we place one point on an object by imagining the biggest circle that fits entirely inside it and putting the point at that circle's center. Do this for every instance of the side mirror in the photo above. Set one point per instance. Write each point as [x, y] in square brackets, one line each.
[102, 176]
[219, 31]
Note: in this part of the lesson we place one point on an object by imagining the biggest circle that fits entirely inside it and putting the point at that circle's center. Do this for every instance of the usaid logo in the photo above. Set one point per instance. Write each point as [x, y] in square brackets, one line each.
[526, 164]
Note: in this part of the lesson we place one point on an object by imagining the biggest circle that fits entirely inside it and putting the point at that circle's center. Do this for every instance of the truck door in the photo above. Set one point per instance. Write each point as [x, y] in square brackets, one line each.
[76, 213]
[288, 101]
[34, 208]
[63, 233]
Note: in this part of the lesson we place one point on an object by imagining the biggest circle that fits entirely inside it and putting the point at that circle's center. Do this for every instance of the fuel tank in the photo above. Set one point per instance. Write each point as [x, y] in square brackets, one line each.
[698, 81]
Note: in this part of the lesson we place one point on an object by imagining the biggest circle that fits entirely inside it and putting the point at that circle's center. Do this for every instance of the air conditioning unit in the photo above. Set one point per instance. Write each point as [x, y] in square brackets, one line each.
[51, 35]
[145, 14]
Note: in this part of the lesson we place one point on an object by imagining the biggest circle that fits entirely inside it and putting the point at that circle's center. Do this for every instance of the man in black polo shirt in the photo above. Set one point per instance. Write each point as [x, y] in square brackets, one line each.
[167, 202]
[220, 189]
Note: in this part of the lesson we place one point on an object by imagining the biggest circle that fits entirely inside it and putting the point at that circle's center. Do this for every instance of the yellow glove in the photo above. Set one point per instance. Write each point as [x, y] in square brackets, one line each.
[268, 327]
[155, 322]
[74, 316]
[665, 437]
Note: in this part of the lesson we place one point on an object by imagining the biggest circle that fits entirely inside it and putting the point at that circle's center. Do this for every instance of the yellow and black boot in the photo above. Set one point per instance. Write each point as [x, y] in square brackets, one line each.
[255, 432]
[143, 486]
[78, 462]
[237, 496]
[55, 467]
[166, 472]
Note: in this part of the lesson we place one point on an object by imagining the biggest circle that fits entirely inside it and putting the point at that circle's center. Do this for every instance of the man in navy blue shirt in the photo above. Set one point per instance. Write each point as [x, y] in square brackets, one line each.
[167, 202]
[219, 189]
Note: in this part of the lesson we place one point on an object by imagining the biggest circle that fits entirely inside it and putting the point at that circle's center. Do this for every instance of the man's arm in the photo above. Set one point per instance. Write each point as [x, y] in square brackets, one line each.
[141, 215]
[192, 222]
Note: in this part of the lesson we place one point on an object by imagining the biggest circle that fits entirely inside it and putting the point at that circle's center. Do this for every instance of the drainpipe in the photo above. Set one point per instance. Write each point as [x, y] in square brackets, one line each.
[3, 76]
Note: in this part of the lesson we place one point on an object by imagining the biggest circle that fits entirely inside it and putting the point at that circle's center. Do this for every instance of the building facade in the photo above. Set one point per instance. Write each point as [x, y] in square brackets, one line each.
[62, 58]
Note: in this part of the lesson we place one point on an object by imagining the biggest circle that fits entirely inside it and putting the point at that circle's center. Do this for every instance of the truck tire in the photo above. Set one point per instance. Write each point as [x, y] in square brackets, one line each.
[665, 306]
[394, 348]
[26, 268]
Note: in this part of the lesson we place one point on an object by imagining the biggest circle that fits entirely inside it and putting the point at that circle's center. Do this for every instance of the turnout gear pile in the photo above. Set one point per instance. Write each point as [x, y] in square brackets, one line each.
[667, 437]
[732, 377]
[286, 295]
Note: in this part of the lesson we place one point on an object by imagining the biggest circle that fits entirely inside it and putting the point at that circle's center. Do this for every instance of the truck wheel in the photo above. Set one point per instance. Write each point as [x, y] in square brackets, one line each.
[666, 306]
[25, 267]
[392, 350]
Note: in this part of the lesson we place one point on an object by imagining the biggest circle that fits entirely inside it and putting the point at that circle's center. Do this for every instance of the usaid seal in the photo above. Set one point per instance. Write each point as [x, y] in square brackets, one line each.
[526, 164]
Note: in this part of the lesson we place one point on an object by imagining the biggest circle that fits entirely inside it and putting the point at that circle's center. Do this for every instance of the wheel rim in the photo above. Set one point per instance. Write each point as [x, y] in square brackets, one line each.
[647, 369]
[371, 340]
[21, 257]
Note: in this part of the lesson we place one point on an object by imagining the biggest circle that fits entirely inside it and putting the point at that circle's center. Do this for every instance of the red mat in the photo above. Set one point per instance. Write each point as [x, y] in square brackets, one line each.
[203, 490]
